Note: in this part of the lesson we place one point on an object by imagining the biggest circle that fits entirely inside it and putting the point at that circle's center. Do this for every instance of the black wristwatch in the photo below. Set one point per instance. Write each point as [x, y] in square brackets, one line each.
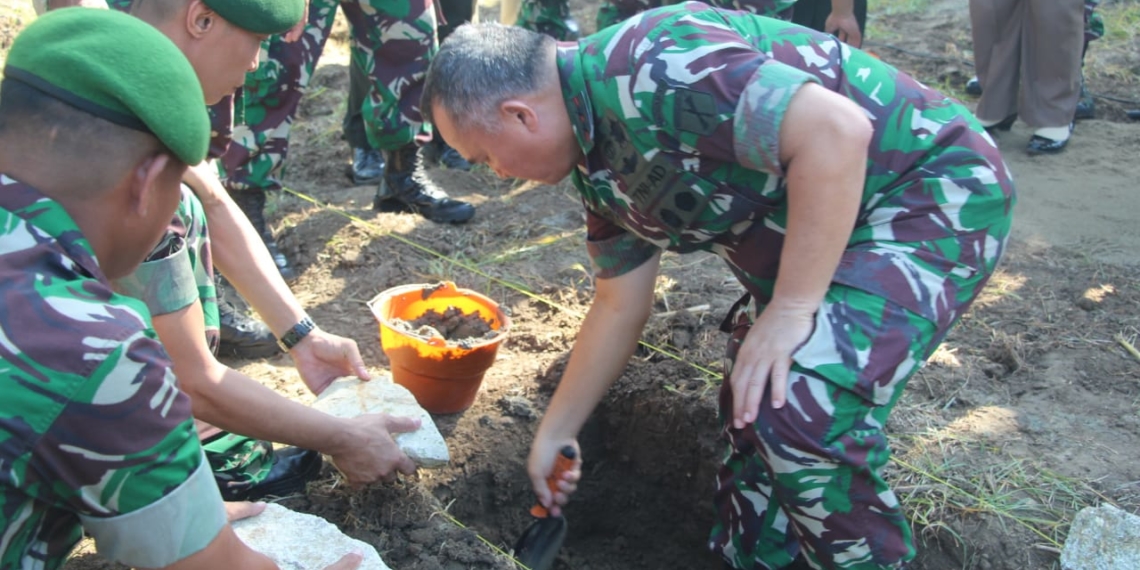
[295, 334]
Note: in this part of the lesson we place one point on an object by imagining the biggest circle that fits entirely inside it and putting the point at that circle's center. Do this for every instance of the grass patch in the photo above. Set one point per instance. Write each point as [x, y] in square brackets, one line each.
[944, 476]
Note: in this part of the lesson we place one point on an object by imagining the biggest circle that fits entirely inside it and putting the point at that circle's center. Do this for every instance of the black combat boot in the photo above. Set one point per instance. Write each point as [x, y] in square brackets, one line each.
[439, 153]
[367, 166]
[252, 203]
[405, 188]
[240, 335]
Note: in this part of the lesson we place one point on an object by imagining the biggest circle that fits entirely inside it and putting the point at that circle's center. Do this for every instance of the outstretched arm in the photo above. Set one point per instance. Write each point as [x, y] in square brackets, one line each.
[362, 447]
[607, 339]
[241, 256]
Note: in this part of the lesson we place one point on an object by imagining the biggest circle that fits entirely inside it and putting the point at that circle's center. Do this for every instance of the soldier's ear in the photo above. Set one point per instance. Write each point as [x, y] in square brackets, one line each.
[516, 112]
[145, 182]
[200, 19]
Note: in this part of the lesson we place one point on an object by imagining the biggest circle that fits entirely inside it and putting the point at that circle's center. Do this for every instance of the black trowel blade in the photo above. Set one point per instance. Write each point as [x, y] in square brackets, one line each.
[538, 547]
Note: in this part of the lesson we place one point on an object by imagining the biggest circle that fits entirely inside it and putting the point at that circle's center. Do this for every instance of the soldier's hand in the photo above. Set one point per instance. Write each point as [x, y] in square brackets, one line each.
[765, 359]
[370, 453]
[349, 562]
[845, 27]
[237, 510]
[322, 357]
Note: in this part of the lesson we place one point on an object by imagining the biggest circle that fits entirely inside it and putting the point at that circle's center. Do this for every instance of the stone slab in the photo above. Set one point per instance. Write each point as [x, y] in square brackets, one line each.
[301, 541]
[1102, 538]
[349, 397]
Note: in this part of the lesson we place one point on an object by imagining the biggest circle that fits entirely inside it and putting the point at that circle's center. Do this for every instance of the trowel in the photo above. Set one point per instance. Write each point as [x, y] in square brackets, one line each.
[539, 544]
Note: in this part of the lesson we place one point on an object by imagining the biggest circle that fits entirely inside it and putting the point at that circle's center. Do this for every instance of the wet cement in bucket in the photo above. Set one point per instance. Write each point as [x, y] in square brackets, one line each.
[457, 328]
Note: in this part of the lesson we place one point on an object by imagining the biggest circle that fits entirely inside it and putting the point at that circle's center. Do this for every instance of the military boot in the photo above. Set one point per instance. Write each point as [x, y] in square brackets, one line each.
[240, 335]
[406, 188]
[252, 203]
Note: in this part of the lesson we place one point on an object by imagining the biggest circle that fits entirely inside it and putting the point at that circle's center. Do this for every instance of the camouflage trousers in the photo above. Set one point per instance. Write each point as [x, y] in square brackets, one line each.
[1094, 24]
[392, 44]
[548, 17]
[238, 462]
[807, 478]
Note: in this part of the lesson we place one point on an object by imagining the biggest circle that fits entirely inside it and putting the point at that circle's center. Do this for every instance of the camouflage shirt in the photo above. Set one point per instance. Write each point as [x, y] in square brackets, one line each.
[678, 111]
[93, 432]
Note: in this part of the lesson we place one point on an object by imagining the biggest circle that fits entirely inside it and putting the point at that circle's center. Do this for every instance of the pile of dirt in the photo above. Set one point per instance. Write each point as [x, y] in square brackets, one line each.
[452, 324]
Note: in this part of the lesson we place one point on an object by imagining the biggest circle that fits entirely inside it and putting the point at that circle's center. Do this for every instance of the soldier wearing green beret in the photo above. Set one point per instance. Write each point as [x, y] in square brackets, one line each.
[99, 117]
[222, 45]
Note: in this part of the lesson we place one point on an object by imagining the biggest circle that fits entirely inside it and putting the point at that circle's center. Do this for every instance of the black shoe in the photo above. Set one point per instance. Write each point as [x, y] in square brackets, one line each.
[439, 153]
[566, 30]
[1004, 125]
[405, 188]
[293, 467]
[1041, 145]
[367, 166]
[1133, 114]
[451, 158]
[974, 87]
[1086, 105]
[252, 203]
[243, 336]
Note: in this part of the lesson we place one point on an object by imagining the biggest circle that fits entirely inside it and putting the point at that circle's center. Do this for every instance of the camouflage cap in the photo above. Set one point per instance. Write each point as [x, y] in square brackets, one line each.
[118, 68]
[260, 16]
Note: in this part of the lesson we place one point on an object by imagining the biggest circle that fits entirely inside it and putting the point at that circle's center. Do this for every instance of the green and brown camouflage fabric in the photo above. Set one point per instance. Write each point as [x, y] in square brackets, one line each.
[93, 430]
[677, 112]
[549, 16]
[392, 42]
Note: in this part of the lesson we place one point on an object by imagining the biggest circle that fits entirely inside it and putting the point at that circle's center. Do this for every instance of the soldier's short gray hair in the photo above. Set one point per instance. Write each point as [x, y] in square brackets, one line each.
[480, 66]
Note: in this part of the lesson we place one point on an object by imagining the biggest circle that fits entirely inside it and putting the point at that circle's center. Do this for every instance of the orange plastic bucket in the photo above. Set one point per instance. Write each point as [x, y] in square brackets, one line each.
[443, 376]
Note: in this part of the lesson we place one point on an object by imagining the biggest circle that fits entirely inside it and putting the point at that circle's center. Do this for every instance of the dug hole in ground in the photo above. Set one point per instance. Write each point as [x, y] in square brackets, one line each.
[1028, 412]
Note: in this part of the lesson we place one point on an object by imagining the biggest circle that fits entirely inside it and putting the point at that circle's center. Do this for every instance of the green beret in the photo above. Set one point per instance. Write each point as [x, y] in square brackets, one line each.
[260, 16]
[118, 68]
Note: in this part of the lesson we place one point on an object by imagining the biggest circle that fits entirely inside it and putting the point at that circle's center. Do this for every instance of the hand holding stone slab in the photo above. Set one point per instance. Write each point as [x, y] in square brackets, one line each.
[349, 397]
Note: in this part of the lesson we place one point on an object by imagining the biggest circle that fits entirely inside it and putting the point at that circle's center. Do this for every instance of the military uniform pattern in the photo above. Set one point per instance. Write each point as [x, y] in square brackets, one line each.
[1094, 23]
[392, 42]
[677, 112]
[180, 269]
[91, 423]
[615, 11]
[547, 17]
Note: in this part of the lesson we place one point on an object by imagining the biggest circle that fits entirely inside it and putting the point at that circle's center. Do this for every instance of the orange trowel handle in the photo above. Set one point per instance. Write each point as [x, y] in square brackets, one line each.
[563, 463]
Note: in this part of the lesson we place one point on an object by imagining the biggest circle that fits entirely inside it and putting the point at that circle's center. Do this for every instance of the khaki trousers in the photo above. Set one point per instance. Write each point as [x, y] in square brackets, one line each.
[1028, 57]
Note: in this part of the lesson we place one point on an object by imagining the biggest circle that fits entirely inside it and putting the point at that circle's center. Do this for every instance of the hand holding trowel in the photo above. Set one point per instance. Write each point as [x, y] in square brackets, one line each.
[539, 544]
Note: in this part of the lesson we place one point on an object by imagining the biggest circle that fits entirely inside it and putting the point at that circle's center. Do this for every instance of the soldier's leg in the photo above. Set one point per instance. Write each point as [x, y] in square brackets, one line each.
[455, 13]
[807, 479]
[393, 43]
[367, 162]
[550, 17]
[254, 161]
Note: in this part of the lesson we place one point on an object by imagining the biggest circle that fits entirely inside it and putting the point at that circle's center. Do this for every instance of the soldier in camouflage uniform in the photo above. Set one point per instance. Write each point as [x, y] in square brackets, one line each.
[176, 282]
[392, 42]
[861, 211]
[94, 434]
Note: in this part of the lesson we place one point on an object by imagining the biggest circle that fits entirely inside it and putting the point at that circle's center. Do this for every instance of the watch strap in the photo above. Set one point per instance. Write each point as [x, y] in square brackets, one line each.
[295, 334]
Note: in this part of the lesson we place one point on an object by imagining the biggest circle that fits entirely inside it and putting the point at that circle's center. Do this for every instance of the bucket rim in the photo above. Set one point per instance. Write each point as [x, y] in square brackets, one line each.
[500, 333]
